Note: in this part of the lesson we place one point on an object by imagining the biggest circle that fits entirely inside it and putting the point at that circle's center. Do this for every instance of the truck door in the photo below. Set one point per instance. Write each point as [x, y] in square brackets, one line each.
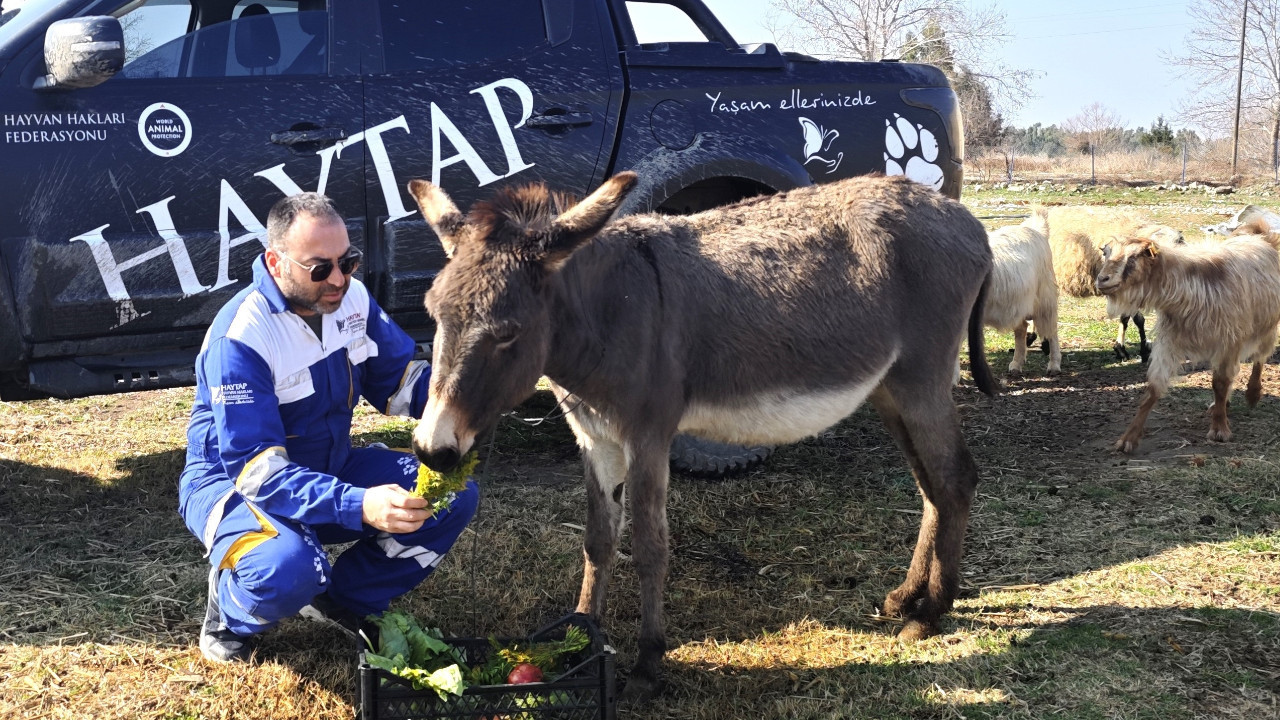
[470, 101]
[137, 206]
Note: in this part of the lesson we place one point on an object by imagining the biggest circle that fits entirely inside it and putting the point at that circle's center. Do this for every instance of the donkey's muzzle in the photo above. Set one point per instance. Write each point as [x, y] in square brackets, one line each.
[442, 460]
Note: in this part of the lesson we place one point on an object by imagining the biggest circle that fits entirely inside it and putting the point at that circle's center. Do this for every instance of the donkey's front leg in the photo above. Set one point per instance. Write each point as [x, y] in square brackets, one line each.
[604, 470]
[647, 476]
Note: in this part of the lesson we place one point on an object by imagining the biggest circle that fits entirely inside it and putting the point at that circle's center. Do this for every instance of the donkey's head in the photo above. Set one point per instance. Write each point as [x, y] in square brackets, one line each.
[491, 303]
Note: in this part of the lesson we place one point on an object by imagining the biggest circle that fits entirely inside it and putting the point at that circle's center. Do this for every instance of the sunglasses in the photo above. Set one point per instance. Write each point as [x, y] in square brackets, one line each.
[321, 271]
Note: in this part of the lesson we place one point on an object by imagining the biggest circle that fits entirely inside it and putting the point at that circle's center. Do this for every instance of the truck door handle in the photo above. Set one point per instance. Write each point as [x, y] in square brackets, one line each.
[321, 136]
[559, 117]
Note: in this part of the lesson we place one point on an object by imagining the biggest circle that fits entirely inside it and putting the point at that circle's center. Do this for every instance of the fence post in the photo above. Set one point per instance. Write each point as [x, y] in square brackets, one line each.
[1184, 163]
[1008, 167]
[1093, 168]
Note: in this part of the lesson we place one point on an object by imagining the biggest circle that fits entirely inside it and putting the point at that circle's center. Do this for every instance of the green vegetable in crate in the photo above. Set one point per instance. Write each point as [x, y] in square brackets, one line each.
[419, 655]
[438, 487]
[545, 656]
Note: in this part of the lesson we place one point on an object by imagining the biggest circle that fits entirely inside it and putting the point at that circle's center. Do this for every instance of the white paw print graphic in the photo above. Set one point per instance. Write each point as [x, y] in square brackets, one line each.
[409, 464]
[917, 146]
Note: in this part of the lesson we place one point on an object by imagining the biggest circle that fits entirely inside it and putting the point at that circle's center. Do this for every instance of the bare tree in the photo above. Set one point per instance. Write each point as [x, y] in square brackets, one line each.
[873, 30]
[1211, 57]
[1095, 126]
[136, 44]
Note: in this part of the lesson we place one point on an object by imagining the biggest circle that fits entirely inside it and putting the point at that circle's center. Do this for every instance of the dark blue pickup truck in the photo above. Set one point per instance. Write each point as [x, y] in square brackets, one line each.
[143, 141]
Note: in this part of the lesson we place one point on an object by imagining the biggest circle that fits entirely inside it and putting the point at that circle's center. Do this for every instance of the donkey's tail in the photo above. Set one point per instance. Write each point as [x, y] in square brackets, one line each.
[982, 376]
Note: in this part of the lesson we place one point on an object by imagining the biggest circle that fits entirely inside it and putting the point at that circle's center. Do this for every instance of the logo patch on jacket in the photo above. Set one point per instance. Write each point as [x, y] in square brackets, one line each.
[231, 394]
[352, 324]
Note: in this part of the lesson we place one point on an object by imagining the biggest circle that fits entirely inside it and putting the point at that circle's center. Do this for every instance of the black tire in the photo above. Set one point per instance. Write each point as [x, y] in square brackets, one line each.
[707, 459]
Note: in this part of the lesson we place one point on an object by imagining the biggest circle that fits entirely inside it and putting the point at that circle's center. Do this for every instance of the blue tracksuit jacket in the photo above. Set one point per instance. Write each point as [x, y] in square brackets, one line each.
[271, 474]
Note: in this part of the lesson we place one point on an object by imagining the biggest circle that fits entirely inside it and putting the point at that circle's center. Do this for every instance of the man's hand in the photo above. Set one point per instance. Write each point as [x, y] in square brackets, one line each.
[393, 509]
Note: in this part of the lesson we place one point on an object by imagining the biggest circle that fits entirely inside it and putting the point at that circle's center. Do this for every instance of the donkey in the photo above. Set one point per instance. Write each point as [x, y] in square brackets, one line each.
[762, 322]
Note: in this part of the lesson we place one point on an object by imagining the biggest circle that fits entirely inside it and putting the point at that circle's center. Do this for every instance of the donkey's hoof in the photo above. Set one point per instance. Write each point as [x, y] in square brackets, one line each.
[639, 691]
[1122, 352]
[1220, 434]
[914, 630]
[892, 606]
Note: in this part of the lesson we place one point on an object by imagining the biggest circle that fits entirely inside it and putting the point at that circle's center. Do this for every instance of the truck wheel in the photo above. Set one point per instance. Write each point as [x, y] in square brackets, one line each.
[708, 459]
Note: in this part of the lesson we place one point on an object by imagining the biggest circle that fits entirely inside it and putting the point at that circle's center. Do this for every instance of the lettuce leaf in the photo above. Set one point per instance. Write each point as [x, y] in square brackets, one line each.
[391, 665]
[391, 635]
[446, 681]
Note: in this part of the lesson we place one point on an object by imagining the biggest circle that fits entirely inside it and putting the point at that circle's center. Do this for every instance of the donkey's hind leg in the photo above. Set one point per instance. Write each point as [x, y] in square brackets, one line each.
[926, 427]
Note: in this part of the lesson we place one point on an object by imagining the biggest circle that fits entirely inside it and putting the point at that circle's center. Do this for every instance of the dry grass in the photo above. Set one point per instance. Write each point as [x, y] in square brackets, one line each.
[1207, 164]
[1095, 585]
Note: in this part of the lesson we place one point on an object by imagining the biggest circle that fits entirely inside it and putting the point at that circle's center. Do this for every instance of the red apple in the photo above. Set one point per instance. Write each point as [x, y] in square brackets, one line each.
[524, 673]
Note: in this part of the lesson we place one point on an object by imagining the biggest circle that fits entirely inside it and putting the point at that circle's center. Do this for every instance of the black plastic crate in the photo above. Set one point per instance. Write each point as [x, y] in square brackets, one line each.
[584, 690]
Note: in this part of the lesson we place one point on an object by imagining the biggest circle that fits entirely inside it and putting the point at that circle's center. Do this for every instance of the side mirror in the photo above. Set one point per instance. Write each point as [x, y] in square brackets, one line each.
[81, 52]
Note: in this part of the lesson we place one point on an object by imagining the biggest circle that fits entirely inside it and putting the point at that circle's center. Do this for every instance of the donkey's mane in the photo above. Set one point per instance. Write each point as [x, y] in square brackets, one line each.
[520, 215]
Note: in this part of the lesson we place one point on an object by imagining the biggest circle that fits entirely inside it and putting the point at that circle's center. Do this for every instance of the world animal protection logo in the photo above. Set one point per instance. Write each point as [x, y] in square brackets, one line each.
[164, 129]
[911, 150]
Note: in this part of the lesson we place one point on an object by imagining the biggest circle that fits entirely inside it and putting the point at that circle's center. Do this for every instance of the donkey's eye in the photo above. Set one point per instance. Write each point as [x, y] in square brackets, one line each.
[505, 334]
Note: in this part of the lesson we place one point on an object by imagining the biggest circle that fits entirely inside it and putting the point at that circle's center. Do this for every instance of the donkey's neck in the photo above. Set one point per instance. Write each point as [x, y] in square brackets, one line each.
[602, 299]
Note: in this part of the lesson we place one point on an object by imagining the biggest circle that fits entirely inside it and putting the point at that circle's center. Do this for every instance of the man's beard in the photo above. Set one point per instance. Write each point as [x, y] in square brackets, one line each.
[310, 297]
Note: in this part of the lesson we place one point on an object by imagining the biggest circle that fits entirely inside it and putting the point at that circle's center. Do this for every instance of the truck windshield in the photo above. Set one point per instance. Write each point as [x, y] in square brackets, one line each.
[16, 16]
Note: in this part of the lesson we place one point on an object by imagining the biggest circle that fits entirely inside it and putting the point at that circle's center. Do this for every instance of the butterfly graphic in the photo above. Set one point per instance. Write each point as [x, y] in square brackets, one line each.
[816, 140]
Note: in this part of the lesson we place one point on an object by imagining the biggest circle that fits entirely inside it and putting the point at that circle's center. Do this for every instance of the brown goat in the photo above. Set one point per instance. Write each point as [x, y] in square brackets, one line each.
[1215, 302]
[763, 322]
[1077, 235]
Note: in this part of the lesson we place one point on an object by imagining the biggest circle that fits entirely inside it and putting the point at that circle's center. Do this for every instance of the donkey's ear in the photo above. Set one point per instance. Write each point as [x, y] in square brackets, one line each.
[580, 223]
[440, 213]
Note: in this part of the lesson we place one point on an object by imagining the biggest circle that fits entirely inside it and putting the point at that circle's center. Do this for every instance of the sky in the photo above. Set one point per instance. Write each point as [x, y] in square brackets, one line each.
[1112, 52]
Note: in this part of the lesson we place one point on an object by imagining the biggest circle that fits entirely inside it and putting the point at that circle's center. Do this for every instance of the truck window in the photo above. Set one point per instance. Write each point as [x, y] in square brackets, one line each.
[419, 35]
[224, 38]
[17, 15]
[659, 23]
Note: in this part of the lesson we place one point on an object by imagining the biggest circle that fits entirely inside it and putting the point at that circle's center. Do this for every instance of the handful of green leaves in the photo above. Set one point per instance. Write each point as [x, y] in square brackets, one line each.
[438, 487]
[419, 655]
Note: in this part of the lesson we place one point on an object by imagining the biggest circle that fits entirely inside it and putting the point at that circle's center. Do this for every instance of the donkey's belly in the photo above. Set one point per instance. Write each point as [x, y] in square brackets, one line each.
[777, 416]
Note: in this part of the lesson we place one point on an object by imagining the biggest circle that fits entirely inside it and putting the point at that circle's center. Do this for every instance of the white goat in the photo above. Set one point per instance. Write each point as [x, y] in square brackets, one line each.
[1215, 302]
[1023, 288]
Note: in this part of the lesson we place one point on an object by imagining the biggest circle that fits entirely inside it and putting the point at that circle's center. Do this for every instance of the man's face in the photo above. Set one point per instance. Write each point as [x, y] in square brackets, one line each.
[311, 240]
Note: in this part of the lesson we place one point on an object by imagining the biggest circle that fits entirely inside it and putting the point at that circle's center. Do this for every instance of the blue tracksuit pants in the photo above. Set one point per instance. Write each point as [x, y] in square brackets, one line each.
[272, 567]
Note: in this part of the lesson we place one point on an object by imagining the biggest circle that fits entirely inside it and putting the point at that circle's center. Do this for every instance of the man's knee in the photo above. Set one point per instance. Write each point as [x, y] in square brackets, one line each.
[273, 581]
